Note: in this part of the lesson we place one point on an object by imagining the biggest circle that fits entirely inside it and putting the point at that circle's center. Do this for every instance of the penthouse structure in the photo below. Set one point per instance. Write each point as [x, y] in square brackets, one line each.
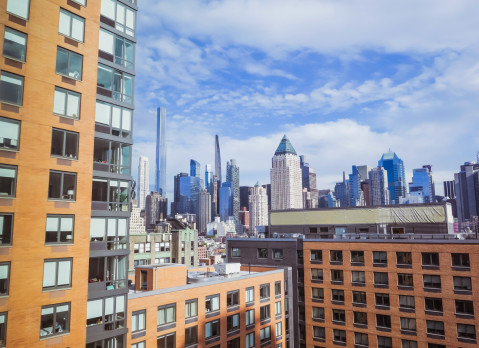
[226, 306]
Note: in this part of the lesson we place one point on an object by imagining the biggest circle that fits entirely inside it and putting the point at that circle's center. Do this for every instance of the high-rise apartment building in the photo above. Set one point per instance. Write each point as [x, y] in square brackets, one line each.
[341, 191]
[156, 209]
[204, 211]
[195, 168]
[423, 183]
[232, 176]
[160, 170]
[225, 194]
[286, 179]
[244, 196]
[467, 191]
[143, 181]
[396, 176]
[59, 130]
[258, 213]
[378, 187]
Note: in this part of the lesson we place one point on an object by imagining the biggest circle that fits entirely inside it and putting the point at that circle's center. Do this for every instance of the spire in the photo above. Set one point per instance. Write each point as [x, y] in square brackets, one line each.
[285, 147]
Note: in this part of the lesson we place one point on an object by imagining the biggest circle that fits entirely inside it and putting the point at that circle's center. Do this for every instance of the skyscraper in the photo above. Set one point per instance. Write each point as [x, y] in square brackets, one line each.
[449, 189]
[467, 191]
[208, 177]
[226, 200]
[204, 211]
[195, 168]
[217, 159]
[356, 198]
[187, 192]
[396, 176]
[143, 181]
[176, 193]
[378, 187]
[341, 192]
[422, 181]
[309, 183]
[258, 213]
[232, 176]
[244, 196]
[156, 208]
[160, 175]
[286, 180]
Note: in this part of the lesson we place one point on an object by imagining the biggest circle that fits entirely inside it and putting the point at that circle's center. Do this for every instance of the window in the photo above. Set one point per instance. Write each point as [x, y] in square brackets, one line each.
[55, 319]
[404, 258]
[462, 283]
[4, 278]
[265, 334]
[166, 314]
[405, 279]
[408, 324]
[249, 295]
[111, 230]
[113, 195]
[64, 144]
[466, 331]
[71, 25]
[232, 298]
[212, 303]
[382, 299]
[380, 258]
[264, 291]
[66, 103]
[317, 294]
[381, 278]
[235, 252]
[360, 318]
[212, 329]
[166, 341]
[358, 277]
[406, 302]
[316, 274]
[9, 134]
[385, 342]
[339, 315]
[112, 119]
[319, 332]
[59, 229]
[234, 343]
[337, 295]
[359, 297]
[435, 327]
[232, 322]
[262, 253]
[318, 313]
[191, 308]
[141, 344]
[109, 312]
[191, 335]
[277, 308]
[250, 340]
[69, 63]
[432, 281]
[11, 88]
[14, 44]
[361, 339]
[460, 260]
[409, 344]
[19, 8]
[277, 288]
[277, 254]
[81, 2]
[116, 49]
[62, 185]
[336, 255]
[357, 256]
[6, 228]
[279, 329]
[264, 313]
[336, 275]
[435, 345]
[433, 304]
[3, 329]
[138, 321]
[383, 321]
[57, 273]
[115, 84]
[123, 16]
[339, 336]
[249, 317]
[430, 259]
[316, 255]
[464, 307]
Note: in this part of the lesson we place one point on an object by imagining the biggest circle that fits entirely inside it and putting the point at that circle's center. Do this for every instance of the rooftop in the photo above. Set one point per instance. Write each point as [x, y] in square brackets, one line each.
[285, 147]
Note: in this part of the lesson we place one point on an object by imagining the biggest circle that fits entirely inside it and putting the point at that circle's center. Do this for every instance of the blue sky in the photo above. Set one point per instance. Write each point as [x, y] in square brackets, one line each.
[345, 80]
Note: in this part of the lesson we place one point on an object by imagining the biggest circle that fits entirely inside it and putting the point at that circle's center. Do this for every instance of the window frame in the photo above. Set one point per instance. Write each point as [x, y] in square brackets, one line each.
[461, 257]
[261, 252]
[430, 282]
[249, 294]
[56, 286]
[67, 94]
[18, 15]
[212, 309]
[230, 322]
[166, 338]
[3, 330]
[122, 201]
[121, 94]
[189, 305]
[215, 326]
[264, 313]
[19, 33]
[3, 227]
[100, 125]
[69, 55]
[71, 17]
[59, 228]
[2, 144]
[55, 306]
[262, 288]
[64, 144]
[16, 77]
[230, 298]
[380, 261]
[63, 173]
[277, 254]
[191, 334]
[135, 321]
[265, 334]
[119, 24]
[7, 279]
[235, 252]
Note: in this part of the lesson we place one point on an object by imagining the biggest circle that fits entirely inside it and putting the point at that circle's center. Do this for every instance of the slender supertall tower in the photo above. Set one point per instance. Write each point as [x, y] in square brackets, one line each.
[160, 174]
[232, 176]
[217, 159]
[143, 181]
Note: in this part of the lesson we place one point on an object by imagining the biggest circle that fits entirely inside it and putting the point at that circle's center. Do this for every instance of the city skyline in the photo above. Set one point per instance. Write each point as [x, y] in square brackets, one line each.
[340, 99]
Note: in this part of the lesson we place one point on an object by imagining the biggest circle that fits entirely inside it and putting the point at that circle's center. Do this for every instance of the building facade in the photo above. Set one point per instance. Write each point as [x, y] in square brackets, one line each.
[160, 170]
[449, 189]
[286, 180]
[378, 187]
[195, 168]
[394, 167]
[143, 181]
[258, 202]
[467, 191]
[155, 209]
[423, 183]
[226, 201]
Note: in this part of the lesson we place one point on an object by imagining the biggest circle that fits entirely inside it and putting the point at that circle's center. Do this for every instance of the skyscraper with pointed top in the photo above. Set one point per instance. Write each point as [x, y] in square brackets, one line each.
[396, 176]
[217, 159]
[286, 178]
[160, 173]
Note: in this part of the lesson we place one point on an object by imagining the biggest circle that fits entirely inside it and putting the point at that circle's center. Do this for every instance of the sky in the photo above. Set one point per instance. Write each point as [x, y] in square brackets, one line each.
[345, 80]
